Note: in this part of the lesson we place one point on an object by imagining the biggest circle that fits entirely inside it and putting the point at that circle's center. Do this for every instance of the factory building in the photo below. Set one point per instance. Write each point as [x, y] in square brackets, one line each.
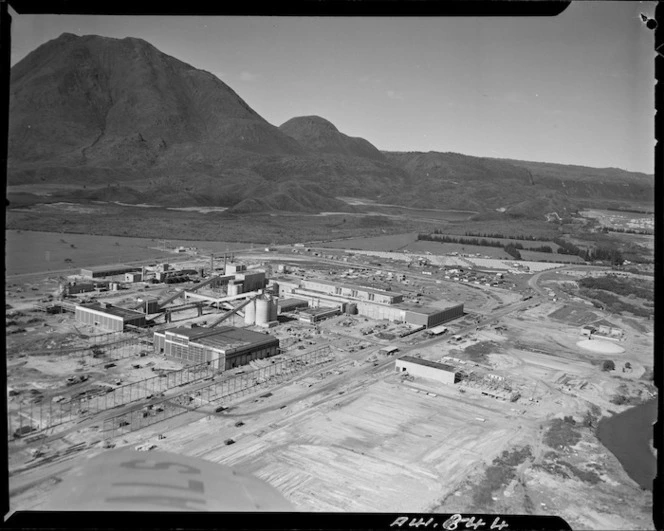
[240, 280]
[290, 305]
[107, 270]
[427, 369]
[286, 286]
[588, 330]
[227, 347]
[149, 304]
[108, 317]
[252, 281]
[73, 288]
[133, 277]
[350, 291]
[400, 312]
[368, 302]
[314, 315]
[233, 268]
[411, 313]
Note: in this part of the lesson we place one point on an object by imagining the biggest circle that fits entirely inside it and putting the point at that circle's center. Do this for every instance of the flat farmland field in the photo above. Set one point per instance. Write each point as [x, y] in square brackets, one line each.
[378, 243]
[504, 241]
[645, 240]
[446, 248]
[33, 251]
[550, 257]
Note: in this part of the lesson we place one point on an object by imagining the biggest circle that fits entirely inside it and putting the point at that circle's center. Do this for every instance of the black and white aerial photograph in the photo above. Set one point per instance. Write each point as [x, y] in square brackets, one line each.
[333, 264]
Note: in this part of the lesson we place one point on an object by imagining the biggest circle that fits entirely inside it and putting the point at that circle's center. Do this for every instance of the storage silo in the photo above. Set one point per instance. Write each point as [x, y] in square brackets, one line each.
[262, 311]
[351, 308]
[232, 289]
[250, 313]
[274, 302]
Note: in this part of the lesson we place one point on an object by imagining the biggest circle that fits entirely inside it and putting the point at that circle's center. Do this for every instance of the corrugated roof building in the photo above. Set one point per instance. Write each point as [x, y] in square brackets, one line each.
[108, 317]
[430, 370]
[353, 291]
[107, 270]
[226, 346]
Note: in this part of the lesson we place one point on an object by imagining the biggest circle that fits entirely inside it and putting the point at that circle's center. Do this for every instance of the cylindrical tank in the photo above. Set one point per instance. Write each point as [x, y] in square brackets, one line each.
[273, 308]
[262, 311]
[232, 289]
[250, 313]
[351, 308]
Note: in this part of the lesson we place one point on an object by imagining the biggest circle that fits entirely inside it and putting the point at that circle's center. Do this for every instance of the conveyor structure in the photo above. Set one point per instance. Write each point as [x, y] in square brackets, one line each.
[227, 314]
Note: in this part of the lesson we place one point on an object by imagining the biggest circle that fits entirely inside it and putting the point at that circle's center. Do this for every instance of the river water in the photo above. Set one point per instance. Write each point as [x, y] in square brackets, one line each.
[628, 436]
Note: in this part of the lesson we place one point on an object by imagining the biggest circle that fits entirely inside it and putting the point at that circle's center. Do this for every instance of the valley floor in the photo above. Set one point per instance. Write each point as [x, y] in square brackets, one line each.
[355, 436]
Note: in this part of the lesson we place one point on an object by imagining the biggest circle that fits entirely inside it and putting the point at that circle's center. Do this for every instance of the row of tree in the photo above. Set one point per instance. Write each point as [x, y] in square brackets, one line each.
[619, 286]
[498, 235]
[613, 256]
[511, 248]
[627, 231]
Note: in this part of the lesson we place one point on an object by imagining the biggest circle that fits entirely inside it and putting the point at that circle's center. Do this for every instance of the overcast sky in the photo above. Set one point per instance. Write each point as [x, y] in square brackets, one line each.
[574, 89]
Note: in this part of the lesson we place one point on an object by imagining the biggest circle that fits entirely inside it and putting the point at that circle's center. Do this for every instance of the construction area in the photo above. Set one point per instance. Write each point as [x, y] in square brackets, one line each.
[346, 383]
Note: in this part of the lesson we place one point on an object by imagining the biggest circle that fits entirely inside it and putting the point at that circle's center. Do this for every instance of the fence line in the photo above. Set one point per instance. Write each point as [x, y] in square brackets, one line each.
[207, 395]
[42, 415]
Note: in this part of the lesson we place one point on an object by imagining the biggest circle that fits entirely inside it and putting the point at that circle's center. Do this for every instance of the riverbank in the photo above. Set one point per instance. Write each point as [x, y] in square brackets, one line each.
[628, 435]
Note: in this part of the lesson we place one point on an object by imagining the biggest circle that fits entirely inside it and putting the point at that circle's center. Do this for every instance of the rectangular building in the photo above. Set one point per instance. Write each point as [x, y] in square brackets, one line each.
[430, 317]
[150, 304]
[288, 305]
[225, 346]
[108, 317]
[79, 287]
[411, 313]
[313, 315]
[351, 291]
[251, 281]
[385, 304]
[430, 370]
[107, 270]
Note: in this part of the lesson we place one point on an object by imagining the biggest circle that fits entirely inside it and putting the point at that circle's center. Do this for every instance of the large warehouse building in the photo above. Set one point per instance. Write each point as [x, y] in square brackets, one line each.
[108, 317]
[373, 303]
[226, 346]
[427, 369]
[107, 270]
[411, 313]
[350, 291]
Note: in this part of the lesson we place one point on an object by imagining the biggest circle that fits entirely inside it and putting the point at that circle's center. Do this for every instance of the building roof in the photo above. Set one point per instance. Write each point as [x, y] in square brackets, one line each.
[425, 310]
[389, 349]
[319, 311]
[357, 287]
[604, 322]
[113, 310]
[429, 363]
[196, 332]
[228, 337]
[291, 302]
[112, 267]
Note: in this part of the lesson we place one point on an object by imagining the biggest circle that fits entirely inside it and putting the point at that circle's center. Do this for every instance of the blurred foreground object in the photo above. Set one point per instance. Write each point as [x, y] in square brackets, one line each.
[129, 480]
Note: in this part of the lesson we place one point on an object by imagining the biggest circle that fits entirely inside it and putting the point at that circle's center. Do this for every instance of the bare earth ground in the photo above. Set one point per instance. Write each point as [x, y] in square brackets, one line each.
[363, 439]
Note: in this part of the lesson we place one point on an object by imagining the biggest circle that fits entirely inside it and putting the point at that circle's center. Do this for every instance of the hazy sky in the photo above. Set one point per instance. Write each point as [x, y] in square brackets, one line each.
[575, 89]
